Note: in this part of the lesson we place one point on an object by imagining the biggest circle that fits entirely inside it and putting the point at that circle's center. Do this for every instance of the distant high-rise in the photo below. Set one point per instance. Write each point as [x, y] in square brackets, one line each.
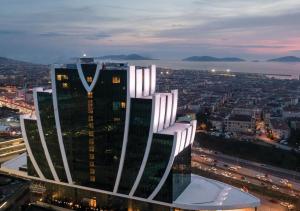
[102, 128]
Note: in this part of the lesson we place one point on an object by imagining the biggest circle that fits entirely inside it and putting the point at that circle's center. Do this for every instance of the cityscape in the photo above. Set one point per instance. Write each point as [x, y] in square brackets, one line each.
[146, 116]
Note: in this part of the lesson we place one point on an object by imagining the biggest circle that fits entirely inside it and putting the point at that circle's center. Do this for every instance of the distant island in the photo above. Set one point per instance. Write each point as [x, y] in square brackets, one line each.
[285, 59]
[125, 57]
[212, 59]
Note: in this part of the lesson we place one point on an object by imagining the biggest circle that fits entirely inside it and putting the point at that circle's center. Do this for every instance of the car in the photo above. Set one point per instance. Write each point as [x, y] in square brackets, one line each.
[275, 187]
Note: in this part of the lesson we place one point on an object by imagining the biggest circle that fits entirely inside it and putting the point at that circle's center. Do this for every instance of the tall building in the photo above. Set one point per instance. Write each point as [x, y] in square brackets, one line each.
[103, 130]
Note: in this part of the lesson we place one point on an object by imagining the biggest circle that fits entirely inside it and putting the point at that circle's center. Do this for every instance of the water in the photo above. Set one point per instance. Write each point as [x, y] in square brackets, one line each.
[292, 69]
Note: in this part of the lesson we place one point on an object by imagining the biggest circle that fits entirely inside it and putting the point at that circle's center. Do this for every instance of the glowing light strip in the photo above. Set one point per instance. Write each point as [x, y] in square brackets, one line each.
[58, 127]
[42, 136]
[30, 154]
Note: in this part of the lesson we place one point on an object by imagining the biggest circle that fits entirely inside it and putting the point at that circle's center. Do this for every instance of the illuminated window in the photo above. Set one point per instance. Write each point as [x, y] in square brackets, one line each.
[90, 94]
[123, 104]
[91, 125]
[92, 164]
[116, 80]
[91, 119]
[93, 202]
[91, 142]
[65, 85]
[92, 149]
[116, 119]
[61, 77]
[89, 79]
[92, 156]
[92, 171]
[91, 133]
[116, 106]
[92, 179]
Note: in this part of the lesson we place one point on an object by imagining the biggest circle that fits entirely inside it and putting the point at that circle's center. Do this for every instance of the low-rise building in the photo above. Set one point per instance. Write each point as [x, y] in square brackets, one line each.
[240, 123]
[279, 129]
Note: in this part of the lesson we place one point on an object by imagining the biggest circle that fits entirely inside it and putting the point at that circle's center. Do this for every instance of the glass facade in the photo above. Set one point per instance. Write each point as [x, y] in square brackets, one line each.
[140, 118]
[157, 162]
[34, 141]
[48, 124]
[109, 124]
[92, 124]
[179, 177]
[72, 109]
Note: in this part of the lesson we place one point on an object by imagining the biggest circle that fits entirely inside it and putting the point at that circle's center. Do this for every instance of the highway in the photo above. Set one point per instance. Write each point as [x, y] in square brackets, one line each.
[233, 168]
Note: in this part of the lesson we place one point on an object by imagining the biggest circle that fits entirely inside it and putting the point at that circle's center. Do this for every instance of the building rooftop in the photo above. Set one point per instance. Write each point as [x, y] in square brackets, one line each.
[208, 194]
[240, 117]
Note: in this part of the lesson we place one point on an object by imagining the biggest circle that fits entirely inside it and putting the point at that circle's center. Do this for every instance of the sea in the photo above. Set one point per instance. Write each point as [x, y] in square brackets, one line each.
[287, 70]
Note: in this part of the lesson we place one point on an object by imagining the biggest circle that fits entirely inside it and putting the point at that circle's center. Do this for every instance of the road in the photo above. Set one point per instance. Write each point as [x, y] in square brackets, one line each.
[262, 168]
[252, 175]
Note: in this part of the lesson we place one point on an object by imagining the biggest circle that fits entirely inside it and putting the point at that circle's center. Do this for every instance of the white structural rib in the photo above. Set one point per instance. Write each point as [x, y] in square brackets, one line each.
[30, 154]
[139, 83]
[126, 129]
[152, 79]
[168, 110]
[58, 127]
[168, 169]
[162, 112]
[131, 85]
[146, 82]
[183, 138]
[42, 136]
[194, 125]
[174, 105]
[189, 136]
[154, 114]
[88, 87]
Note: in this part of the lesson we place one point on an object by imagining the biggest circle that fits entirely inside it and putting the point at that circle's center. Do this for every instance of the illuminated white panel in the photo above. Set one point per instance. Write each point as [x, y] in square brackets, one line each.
[153, 79]
[162, 112]
[146, 82]
[155, 113]
[169, 110]
[189, 136]
[194, 125]
[178, 140]
[131, 82]
[174, 106]
[139, 83]
[183, 138]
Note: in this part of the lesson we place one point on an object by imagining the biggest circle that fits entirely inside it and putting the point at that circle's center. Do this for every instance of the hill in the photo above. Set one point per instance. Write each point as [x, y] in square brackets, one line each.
[285, 59]
[125, 57]
[212, 59]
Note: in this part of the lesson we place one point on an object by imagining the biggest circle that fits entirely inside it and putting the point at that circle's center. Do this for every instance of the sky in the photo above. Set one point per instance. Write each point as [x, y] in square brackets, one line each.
[46, 31]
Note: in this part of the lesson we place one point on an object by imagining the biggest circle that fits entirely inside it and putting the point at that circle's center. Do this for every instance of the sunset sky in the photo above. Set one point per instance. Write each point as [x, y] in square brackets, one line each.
[46, 31]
